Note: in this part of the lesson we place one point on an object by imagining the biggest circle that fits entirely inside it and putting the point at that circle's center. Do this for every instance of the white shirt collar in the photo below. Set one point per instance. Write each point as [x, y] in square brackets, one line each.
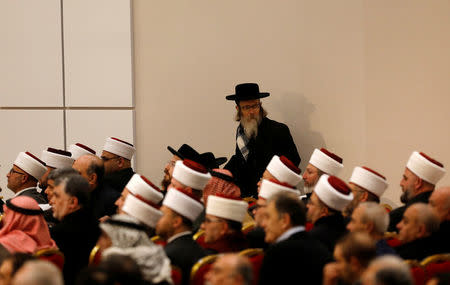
[290, 232]
[178, 235]
[23, 190]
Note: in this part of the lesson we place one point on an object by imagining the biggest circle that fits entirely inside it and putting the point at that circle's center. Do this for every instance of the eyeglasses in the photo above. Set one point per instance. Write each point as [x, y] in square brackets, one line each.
[11, 171]
[105, 159]
[250, 107]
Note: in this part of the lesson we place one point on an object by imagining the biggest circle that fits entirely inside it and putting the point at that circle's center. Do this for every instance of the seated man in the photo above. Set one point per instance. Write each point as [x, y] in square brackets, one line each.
[367, 185]
[125, 235]
[54, 159]
[293, 255]
[180, 210]
[142, 188]
[419, 179]
[280, 174]
[415, 232]
[38, 272]
[387, 270]
[223, 223]
[117, 155]
[372, 218]
[103, 196]
[78, 231]
[231, 269]
[321, 162]
[23, 177]
[352, 255]
[440, 202]
[331, 195]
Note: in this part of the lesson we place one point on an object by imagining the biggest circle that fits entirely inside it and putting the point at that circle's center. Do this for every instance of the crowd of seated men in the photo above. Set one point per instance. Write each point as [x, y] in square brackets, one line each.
[79, 218]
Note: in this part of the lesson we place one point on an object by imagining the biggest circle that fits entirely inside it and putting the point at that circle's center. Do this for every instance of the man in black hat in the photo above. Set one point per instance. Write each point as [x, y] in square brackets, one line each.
[258, 139]
[206, 159]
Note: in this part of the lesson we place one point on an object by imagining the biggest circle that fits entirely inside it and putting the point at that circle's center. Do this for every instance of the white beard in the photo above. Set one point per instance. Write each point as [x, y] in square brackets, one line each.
[307, 190]
[250, 126]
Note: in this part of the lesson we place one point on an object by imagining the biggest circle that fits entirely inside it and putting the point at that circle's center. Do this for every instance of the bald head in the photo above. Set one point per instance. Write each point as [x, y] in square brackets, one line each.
[419, 221]
[231, 269]
[440, 202]
[92, 169]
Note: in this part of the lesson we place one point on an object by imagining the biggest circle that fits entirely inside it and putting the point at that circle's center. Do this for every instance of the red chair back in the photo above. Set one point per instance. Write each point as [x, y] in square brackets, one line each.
[256, 257]
[200, 269]
[177, 275]
[435, 264]
[95, 256]
[52, 255]
[417, 272]
[159, 241]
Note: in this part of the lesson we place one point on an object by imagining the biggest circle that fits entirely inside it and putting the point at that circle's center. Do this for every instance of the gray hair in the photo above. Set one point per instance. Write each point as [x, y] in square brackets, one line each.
[38, 272]
[375, 213]
[75, 186]
[426, 216]
[60, 172]
[391, 270]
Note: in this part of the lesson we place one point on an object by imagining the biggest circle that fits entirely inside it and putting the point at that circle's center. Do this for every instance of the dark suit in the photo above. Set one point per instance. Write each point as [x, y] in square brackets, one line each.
[184, 252]
[256, 238]
[119, 179]
[298, 258]
[396, 215]
[102, 200]
[273, 138]
[33, 193]
[75, 236]
[419, 248]
[328, 230]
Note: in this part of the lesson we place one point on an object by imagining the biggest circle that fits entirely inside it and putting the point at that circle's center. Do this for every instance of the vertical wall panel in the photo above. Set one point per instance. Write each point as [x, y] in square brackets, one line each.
[27, 130]
[97, 44]
[92, 127]
[30, 53]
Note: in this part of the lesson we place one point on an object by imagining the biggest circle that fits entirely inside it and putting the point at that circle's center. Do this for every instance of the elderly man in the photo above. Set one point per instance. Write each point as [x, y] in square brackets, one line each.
[78, 231]
[258, 139]
[117, 155]
[280, 175]
[293, 254]
[103, 196]
[187, 152]
[331, 195]
[352, 255]
[231, 269]
[419, 179]
[367, 185]
[415, 232]
[54, 158]
[321, 162]
[38, 272]
[223, 223]
[440, 202]
[387, 270]
[23, 177]
[371, 218]
[180, 210]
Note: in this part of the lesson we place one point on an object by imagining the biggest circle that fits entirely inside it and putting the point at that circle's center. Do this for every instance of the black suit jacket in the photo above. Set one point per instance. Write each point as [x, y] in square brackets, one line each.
[103, 200]
[419, 248]
[184, 252]
[75, 236]
[396, 215]
[273, 138]
[33, 193]
[299, 259]
[119, 179]
[328, 230]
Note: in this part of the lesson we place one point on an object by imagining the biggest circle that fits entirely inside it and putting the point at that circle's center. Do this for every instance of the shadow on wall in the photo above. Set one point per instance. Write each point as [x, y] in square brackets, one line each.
[295, 111]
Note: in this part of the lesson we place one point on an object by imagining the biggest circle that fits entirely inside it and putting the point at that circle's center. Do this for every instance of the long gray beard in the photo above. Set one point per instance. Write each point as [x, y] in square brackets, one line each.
[251, 127]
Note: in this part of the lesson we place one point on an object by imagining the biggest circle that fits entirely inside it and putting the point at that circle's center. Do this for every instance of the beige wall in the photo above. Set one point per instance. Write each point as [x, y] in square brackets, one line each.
[366, 79]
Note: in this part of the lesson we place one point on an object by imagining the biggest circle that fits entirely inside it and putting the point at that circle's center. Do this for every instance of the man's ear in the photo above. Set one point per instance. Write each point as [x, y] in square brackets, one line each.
[177, 221]
[418, 183]
[364, 196]
[121, 161]
[93, 178]
[421, 231]
[73, 202]
[285, 220]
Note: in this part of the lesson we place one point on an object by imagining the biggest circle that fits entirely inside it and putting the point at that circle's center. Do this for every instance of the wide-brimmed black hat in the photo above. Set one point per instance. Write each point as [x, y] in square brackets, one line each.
[247, 91]
[185, 151]
[210, 161]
